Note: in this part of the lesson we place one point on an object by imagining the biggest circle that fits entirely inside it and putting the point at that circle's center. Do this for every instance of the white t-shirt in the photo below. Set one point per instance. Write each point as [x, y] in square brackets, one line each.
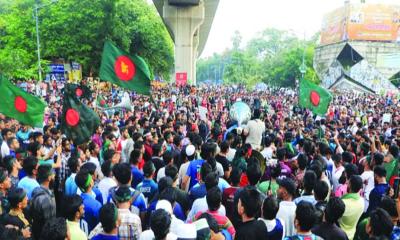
[200, 205]
[160, 174]
[220, 169]
[368, 185]
[231, 154]
[104, 187]
[267, 152]
[336, 176]
[255, 129]
[127, 148]
[95, 160]
[5, 150]
[287, 212]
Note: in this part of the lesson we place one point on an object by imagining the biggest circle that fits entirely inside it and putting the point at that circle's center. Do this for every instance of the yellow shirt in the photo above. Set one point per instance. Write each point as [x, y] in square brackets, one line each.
[75, 231]
[354, 209]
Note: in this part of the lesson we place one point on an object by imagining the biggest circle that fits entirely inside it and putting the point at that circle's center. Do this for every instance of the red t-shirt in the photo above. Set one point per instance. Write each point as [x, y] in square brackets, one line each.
[228, 200]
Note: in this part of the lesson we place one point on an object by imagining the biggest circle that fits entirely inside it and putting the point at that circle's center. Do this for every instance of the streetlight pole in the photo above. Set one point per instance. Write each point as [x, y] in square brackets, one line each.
[37, 7]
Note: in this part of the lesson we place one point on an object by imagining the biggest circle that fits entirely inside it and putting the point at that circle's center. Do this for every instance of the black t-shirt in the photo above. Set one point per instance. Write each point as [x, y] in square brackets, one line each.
[329, 231]
[7, 219]
[224, 162]
[158, 163]
[252, 230]
[183, 199]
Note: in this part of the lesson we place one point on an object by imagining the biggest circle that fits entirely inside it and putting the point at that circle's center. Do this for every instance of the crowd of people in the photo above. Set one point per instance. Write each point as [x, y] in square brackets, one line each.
[162, 169]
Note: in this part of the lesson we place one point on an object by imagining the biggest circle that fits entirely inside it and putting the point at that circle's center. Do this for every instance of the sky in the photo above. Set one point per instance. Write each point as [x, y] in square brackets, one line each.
[250, 17]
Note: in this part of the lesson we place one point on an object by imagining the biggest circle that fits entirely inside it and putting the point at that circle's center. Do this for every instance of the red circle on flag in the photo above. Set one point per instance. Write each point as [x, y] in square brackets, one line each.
[78, 92]
[72, 117]
[102, 102]
[124, 68]
[20, 104]
[315, 98]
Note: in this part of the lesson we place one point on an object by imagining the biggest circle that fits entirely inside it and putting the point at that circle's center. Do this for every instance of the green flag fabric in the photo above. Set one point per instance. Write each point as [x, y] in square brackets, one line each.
[78, 122]
[314, 97]
[101, 102]
[82, 91]
[392, 168]
[20, 105]
[130, 72]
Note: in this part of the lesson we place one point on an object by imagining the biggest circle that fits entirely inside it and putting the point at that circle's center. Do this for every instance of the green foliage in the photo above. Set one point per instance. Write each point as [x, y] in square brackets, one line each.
[274, 57]
[75, 30]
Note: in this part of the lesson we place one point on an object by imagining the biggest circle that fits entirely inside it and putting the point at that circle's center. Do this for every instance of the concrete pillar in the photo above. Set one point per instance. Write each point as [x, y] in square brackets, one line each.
[184, 22]
[196, 41]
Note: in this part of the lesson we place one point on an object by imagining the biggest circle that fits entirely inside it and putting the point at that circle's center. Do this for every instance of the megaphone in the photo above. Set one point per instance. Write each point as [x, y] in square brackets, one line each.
[124, 104]
[240, 112]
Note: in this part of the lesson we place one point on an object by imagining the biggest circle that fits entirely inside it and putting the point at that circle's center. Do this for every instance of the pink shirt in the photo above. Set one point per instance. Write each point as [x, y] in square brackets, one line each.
[341, 190]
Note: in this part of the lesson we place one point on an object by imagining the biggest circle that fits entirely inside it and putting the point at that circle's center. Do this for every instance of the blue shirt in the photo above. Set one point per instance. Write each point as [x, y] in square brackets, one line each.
[21, 174]
[199, 190]
[149, 188]
[28, 184]
[105, 237]
[12, 153]
[306, 198]
[23, 138]
[193, 171]
[97, 193]
[376, 195]
[395, 233]
[92, 209]
[70, 186]
[137, 176]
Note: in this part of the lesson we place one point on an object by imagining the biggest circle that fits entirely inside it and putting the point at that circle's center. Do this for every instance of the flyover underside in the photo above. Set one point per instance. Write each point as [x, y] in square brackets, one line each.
[189, 27]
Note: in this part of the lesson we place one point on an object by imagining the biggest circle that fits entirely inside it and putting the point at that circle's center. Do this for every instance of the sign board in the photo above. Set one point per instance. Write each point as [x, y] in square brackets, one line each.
[75, 66]
[203, 113]
[58, 77]
[57, 68]
[181, 78]
[387, 117]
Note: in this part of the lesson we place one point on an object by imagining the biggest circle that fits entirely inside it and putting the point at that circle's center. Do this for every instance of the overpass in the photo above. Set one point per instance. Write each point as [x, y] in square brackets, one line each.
[189, 23]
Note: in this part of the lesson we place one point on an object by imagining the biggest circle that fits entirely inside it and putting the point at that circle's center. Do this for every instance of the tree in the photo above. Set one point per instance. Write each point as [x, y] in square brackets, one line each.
[75, 30]
[273, 56]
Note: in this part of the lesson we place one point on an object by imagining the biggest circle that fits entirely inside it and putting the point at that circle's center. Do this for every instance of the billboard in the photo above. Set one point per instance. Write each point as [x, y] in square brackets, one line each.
[334, 27]
[374, 22]
[362, 22]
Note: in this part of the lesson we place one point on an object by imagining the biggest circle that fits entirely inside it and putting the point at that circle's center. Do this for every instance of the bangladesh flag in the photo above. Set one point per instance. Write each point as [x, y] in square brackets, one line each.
[81, 91]
[78, 122]
[130, 72]
[314, 97]
[101, 102]
[18, 104]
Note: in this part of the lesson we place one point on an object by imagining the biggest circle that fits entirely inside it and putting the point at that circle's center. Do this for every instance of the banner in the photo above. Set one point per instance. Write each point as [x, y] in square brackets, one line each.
[334, 27]
[181, 79]
[374, 22]
[362, 22]
[203, 113]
